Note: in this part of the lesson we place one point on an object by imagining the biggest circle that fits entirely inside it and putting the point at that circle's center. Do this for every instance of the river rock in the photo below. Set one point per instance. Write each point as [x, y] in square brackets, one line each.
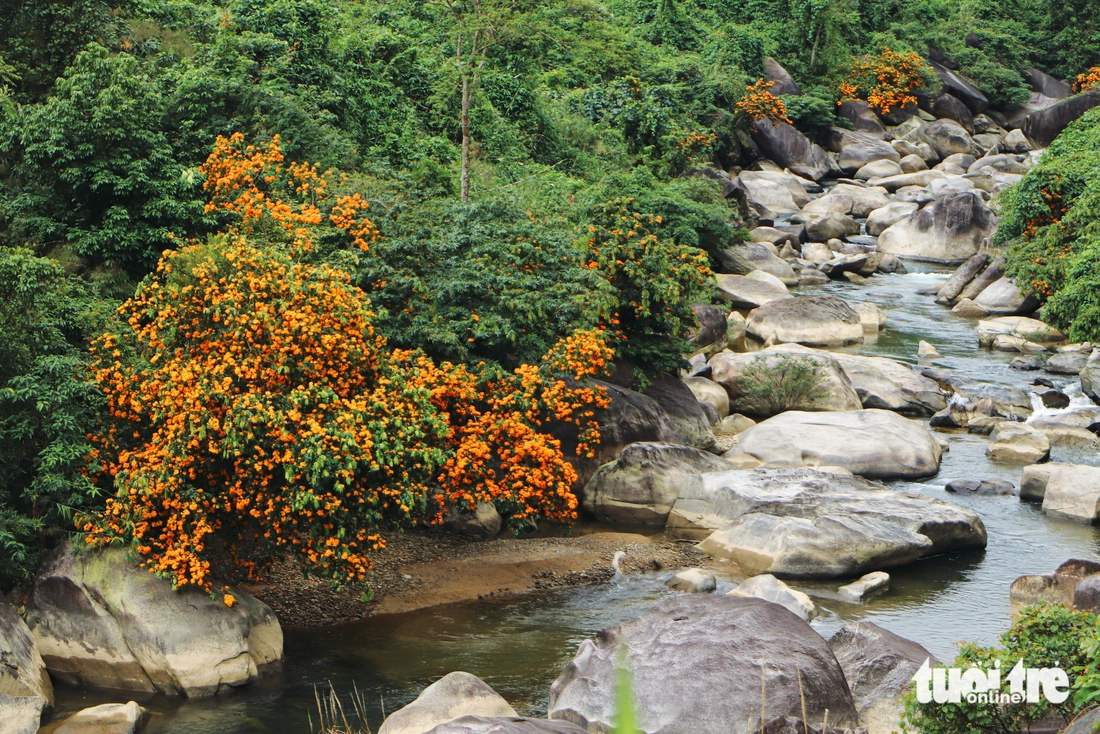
[967, 309]
[1031, 330]
[859, 201]
[891, 385]
[885, 217]
[1086, 594]
[1065, 363]
[992, 273]
[961, 88]
[769, 588]
[799, 523]
[767, 261]
[1044, 126]
[1005, 401]
[782, 81]
[505, 725]
[865, 585]
[947, 107]
[697, 663]
[22, 672]
[734, 424]
[871, 316]
[1058, 587]
[1017, 443]
[948, 138]
[790, 149]
[854, 157]
[990, 487]
[1085, 722]
[862, 117]
[962, 277]
[951, 229]
[912, 163]
[823, 227]
[919, 180]
[873, 443]
[108, 718]
[642, 484]
[880, 169]
[798, 187]
[1016, 142]
[708, 391]
[100, 621]
[693, 581]
[1090, 376]
[687, 422]
[1005, 299]
[451, 697]
[1071, 491]
[743, 292]
[879, 667]
[765, 198]
[734, 370]
[818, 321]
[710, 332]
[21, 714]
[483, 522]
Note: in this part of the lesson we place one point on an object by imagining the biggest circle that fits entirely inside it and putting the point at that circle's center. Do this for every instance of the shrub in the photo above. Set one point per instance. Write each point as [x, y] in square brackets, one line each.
[758, 103]
[887, 81]
[655, 283]
[1043, 636]
[1088, 80]
[773, 385]
[47, 405]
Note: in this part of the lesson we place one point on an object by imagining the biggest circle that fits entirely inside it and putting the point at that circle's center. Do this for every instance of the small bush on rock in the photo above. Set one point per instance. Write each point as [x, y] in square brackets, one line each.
[784, 383]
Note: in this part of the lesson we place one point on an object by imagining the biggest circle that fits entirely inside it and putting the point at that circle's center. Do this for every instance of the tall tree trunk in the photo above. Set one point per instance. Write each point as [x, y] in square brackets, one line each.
[465, 185]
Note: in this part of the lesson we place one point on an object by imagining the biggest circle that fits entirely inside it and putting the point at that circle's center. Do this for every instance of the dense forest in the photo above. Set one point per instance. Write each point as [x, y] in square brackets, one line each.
[465, 202]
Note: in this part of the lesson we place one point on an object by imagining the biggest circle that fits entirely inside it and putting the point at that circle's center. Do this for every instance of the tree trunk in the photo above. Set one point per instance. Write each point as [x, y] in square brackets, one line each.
[465, 185]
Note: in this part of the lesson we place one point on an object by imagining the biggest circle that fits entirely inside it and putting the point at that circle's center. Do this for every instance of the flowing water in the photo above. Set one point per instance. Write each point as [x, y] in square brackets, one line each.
[519, 645]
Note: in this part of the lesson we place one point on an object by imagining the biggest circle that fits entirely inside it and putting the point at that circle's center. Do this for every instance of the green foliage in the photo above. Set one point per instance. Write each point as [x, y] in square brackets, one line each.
[655, 282]
[1043, 636]
[46, 406]
[772, 385]
[1051, 225]
[480, 282]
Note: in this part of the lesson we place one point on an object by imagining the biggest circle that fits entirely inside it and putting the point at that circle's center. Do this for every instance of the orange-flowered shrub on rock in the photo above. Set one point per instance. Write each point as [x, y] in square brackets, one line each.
[254, 412]
[1088, 80]
[758, 103]
[887, 81]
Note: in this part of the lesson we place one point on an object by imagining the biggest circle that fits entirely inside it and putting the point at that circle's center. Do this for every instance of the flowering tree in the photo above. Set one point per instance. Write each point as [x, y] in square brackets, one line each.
[886, 81]
[1088, 80]
[758, 103]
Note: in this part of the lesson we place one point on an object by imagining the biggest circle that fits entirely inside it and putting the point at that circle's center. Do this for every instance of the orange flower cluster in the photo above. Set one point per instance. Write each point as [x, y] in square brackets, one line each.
[887, 82]
[1088, 80]
[254, 410]
[758, 103]
[255, 183]
[696, 142]
[500, 449]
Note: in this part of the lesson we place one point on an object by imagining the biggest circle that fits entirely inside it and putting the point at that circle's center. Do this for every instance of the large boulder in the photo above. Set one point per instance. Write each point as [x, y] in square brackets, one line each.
[745, 375]
[947, 107]
[891, 385]
[1003, 298]
[709, 391]
[1021, 327]
[862, 117]
[766, 198]
[1045, 84]
[816, 321]
[1072, 491]
[782, 81]
[962, 277]
[825, 226]
[641, 486]
[949, 138]
[505, 725]
[710, 334]
[854, 157]
[1017, 443]
[879, 667]
[698, 665]
[20, 714]
[800, 523]
[1044, 126]
[741, 291]
[797, 187]
[107, 718]
[961, 88]
[688, 424]
[1090, 376]
[766, 260]
[873, 443]
[950, 230]
[22, 672]
[101, 621]
[879, 220]
[453, 696]
[790, 149]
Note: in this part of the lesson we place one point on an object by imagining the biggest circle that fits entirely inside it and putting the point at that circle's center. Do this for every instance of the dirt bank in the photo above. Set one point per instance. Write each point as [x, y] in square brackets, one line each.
[422, 569]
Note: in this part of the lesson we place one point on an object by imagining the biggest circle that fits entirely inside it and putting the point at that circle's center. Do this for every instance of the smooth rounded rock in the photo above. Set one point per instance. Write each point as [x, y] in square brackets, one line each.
[454, 695]
[818, 321]
[769, 588]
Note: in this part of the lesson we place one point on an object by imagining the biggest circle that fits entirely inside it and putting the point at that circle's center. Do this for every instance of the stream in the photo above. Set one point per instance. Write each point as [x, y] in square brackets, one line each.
[518, 645]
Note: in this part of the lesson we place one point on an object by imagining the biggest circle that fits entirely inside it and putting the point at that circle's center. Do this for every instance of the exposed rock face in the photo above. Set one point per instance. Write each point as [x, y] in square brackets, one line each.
[641, 486]
[728, 369]
[879, 667]
[22, 672]
[108, 718]
[505, 725]
[891, 385]
[453, 696]
[101, 622]
[696, 663]
[790, 149]
[1044, 126]
[878, 444]
[769, 588]
[950, 230]
[20, 714]
[816, 321]
[801, 523]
